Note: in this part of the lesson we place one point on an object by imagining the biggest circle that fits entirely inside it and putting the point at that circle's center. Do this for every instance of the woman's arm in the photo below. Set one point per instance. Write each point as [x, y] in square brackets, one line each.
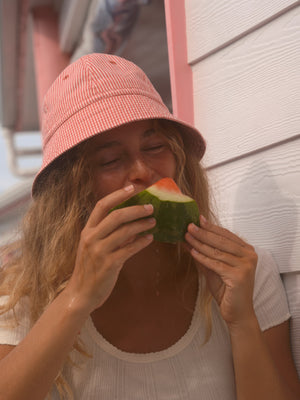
[29, 369]
[278, 341]
[263, 364]
[229, 265]
[5, 349]
[107, 241]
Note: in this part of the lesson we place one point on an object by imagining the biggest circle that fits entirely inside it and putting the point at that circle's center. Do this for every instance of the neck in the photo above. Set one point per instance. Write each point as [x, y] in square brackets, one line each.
[153, 267]
[152, 303]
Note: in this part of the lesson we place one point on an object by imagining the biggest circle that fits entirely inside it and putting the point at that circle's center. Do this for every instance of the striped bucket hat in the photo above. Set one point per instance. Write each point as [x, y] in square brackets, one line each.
[96, 93]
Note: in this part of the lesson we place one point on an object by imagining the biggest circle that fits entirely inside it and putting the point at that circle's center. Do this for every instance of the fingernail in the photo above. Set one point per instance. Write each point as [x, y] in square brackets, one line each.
[148, 207]
[129, 188]
[148, 237]
[195, 228]
[152, 221]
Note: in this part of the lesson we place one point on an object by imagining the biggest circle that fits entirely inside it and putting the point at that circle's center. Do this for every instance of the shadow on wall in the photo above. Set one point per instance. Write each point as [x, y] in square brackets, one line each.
[268, 217]
[272, 222]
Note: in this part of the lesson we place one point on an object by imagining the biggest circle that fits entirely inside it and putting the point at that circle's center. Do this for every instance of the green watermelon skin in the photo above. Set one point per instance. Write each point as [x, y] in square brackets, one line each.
[172, 217]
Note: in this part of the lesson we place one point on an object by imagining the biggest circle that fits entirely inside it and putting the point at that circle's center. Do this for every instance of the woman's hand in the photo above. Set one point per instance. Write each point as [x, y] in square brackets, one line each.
[107, 242]
[228, 264]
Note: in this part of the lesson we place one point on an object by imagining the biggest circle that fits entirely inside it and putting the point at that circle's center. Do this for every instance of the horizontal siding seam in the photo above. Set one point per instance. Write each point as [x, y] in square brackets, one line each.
[245, 33]
[256, 151]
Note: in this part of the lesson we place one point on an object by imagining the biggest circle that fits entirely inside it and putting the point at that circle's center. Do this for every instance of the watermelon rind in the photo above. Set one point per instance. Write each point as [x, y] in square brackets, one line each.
[172, 216]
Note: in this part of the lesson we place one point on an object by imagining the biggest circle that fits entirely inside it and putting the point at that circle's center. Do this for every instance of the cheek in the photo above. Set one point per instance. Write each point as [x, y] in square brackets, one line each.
[105, 184]
[168, 165]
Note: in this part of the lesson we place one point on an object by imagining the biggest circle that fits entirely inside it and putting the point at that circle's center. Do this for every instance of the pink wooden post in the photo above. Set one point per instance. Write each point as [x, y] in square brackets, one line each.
[180, 71]
[49, 59]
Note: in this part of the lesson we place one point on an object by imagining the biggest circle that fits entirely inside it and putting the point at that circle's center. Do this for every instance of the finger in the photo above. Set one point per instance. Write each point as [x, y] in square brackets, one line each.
[217, 266]
[209, 226]
[122, 216]
[127, 233]
[215, 241]
[124, 253]
[104, 205]
[212, 252]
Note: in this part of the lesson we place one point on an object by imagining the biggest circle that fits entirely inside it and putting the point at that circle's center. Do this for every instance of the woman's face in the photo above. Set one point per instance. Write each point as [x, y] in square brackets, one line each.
[135, 154]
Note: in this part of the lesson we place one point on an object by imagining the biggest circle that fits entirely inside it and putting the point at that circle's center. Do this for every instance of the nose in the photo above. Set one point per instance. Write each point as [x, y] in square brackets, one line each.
[140, 173]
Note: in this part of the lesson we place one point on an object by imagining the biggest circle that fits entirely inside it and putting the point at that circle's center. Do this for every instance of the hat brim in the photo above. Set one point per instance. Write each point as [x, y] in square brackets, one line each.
[101, 116]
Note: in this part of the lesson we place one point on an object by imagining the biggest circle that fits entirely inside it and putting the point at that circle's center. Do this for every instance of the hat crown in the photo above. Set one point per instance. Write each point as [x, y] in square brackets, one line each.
[87, 81]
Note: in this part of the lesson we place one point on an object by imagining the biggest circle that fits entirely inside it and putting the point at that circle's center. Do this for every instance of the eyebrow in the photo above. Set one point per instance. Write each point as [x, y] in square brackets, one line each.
[115, 143]
[107, 145]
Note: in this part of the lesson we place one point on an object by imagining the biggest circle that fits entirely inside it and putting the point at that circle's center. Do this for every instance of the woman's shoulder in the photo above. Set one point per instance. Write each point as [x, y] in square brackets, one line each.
[264, 255]
[267, 271]
[269, 297]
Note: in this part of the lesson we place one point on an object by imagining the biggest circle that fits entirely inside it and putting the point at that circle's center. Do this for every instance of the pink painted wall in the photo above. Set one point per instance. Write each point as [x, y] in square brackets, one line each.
[180, 71]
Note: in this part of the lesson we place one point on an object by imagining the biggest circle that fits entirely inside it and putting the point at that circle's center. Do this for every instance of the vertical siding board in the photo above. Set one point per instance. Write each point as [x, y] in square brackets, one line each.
[180, 71]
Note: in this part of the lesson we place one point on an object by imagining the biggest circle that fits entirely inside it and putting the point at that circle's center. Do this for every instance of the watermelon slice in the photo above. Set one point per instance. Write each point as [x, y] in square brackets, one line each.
[173, 210]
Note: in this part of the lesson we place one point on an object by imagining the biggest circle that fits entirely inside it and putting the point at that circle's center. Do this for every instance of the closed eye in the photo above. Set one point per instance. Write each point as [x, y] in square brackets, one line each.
[155, 148]
[110, 162]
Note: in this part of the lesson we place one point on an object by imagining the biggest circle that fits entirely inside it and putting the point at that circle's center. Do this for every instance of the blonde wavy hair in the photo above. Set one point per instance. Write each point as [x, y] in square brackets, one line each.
[51, 229]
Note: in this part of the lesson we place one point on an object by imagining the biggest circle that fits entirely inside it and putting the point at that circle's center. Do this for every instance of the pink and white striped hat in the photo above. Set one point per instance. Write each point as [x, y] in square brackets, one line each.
[96, 93]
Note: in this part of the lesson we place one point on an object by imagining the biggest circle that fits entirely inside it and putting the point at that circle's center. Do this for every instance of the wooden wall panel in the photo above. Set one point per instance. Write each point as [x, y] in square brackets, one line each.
[213, 24]
[258, 197]
[247, 95]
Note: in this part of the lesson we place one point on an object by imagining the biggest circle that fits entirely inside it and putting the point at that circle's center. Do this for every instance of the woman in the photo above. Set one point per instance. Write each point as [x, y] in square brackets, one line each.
[106, 313]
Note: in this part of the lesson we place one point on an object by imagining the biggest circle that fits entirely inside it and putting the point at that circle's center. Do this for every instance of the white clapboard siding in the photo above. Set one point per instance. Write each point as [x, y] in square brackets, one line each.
[247, 95]
[245, 58]
[258, 197]
[212, 24]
